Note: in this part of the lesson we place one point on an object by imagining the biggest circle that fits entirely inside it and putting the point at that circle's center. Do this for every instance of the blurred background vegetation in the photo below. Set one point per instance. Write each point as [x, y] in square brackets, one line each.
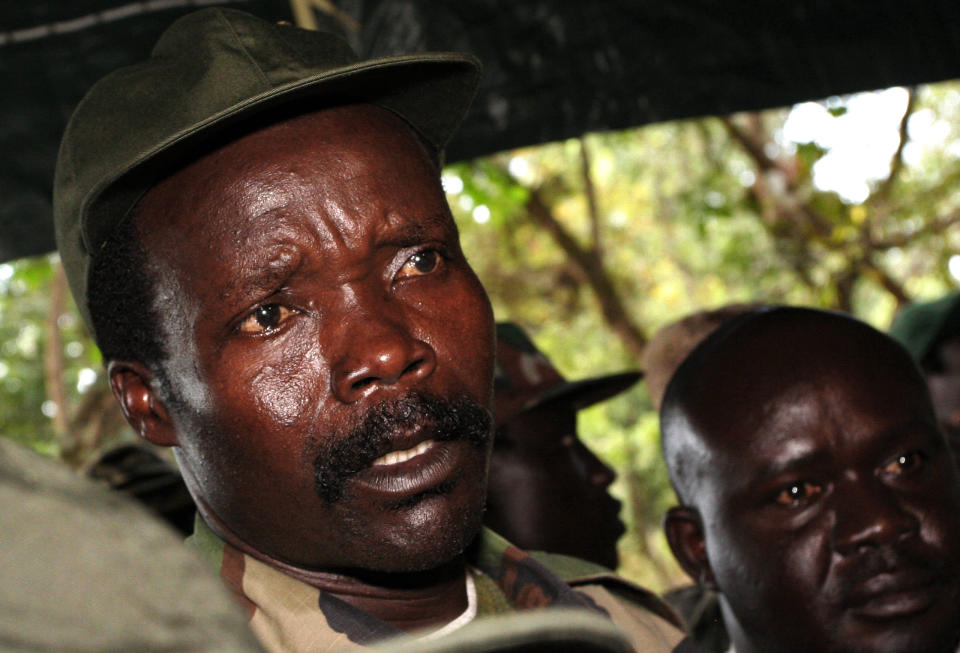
[594, 243]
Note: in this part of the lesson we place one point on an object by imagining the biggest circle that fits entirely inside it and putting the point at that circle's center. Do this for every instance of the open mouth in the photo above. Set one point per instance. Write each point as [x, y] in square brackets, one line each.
[424, 466]
[404, 446]
[396, 457]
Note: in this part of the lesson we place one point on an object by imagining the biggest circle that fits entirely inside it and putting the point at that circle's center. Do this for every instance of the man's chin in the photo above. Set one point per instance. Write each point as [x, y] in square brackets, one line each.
[931, 632]
[403, 531]
[433, 534]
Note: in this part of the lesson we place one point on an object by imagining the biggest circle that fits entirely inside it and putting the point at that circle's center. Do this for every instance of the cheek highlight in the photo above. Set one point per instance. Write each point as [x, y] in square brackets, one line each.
[177, 327]
[290, 390]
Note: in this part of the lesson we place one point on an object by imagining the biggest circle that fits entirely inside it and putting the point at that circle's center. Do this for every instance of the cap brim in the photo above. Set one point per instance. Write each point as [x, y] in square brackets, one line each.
[587, 392]
[430, 91]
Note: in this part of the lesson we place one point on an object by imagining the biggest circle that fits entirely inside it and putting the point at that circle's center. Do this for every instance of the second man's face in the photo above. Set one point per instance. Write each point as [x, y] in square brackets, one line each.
[548, 491]
[831, 510]
[331, 347]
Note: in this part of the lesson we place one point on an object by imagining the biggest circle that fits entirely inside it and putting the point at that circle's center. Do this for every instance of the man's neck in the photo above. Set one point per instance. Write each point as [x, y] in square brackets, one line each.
[739, 641]
[408, 601]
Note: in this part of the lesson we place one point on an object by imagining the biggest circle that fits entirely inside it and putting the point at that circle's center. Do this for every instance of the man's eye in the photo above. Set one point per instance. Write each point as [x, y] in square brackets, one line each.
[797, 494]
[904, 463]
[265, 318]
[420, 263]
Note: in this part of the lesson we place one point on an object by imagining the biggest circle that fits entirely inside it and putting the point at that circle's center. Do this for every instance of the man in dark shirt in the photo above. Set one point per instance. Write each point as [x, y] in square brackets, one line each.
[816, 497]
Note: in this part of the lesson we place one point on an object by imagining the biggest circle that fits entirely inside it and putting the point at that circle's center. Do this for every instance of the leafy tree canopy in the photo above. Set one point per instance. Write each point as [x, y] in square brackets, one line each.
[593, 244]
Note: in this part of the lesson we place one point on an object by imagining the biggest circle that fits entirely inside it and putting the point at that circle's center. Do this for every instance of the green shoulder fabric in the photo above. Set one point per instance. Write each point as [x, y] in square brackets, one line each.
[490, 549]
[568, 568]
[490, 598]
[493, 552]
[206, 543]
[579, 573]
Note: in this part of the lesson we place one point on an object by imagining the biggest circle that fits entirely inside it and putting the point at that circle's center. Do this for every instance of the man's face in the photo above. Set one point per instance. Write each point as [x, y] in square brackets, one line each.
[945, 390]
[330, 346]
[829, 508]
[548, 491]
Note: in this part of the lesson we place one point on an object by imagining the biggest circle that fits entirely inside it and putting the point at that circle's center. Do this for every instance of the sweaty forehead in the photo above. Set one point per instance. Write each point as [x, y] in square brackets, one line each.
[783, 366]
[256, 187]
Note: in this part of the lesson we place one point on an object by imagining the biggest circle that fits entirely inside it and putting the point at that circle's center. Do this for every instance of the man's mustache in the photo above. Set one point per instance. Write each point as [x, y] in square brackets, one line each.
[344, 455]
[905, 557]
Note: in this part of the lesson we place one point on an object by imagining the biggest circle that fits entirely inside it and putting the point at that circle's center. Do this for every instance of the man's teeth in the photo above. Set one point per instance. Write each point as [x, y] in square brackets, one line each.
[395, 457]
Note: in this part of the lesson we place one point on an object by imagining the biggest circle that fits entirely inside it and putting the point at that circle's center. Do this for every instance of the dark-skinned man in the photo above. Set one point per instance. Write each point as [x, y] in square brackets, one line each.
[816, 496]
[253, 225]
[667, 349]
[547, 490]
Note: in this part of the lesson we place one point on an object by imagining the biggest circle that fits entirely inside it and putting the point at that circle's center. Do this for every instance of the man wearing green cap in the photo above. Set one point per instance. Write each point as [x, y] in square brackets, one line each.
[253, 226]
[547, 490]
[931, 333]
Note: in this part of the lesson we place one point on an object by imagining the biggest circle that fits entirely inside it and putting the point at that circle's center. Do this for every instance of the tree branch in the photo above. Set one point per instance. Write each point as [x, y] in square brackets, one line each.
[937, 226]
[753, 146]
[591, 267]
[890, 284]
[789, 205]
[896, 163]
[591, 195]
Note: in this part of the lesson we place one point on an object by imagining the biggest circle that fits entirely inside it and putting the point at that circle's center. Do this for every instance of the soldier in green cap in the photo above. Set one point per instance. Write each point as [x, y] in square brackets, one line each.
[547, 490]
[254, 229]
[931, 333]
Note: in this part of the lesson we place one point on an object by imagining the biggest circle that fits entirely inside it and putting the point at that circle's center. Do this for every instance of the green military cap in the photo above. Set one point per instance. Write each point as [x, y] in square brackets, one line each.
[921, 327]
[208, 72]
[524, 377]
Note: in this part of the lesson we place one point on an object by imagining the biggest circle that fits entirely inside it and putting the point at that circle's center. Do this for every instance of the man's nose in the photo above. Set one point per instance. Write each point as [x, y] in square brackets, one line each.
[870, 514]
[380, 354]
[603, 475]
[598, 473]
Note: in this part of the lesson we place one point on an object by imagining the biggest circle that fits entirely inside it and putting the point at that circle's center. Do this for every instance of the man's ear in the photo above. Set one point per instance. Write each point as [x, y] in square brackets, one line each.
[132, 385]
[684, 531]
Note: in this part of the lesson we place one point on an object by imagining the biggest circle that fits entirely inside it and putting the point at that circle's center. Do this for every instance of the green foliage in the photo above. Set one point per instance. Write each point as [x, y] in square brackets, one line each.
[808, 154]
[682, 229]
[23, 307]
[687, 219]
[26, 405]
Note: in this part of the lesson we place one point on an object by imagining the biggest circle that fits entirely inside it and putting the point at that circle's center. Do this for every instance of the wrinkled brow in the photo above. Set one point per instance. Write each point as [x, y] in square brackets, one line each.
[404, 233]
[266, 277]
[262, 278]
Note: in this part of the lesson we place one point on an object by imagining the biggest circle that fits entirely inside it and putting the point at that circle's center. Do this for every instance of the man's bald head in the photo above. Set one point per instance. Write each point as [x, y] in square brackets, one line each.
[737, 378]
[818, 501]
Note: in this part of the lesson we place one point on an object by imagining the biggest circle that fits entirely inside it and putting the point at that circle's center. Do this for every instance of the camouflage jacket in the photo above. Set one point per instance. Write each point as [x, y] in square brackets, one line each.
[290, 616]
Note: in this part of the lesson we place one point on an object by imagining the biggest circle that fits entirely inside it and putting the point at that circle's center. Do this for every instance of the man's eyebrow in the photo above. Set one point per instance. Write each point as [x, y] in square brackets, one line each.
[261, 279]
[791, 463]
[880, 444]
[906, 432]
[411, 233]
